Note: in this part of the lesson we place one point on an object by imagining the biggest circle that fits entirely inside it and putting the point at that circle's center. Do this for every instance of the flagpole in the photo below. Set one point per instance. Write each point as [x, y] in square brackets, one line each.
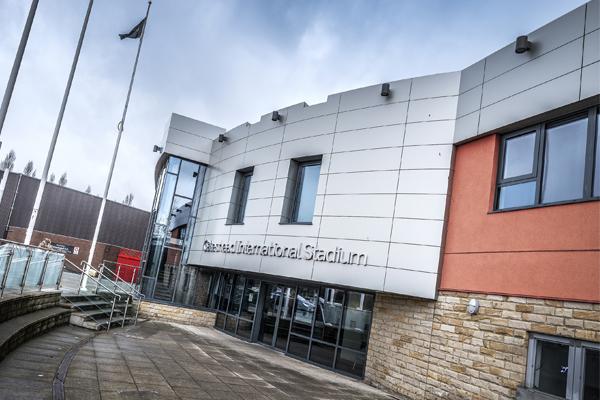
[40, 191]
[121, 126]
[10, 86]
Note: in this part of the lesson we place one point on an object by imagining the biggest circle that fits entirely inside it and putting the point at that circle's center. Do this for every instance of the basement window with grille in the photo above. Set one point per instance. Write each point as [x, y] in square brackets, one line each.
[564, 368]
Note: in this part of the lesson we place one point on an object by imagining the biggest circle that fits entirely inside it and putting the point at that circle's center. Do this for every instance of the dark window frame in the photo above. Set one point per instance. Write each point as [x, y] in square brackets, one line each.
[245, 181]
[540, 132]
[576, 365]
[297, 285]
[298, 190]
[239, 196]
[161, 195]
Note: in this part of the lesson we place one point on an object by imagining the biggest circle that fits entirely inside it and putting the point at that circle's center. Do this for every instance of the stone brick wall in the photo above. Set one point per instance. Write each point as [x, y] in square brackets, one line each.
[399, 343]
[12, 306]
[181, 315]
[436, 350]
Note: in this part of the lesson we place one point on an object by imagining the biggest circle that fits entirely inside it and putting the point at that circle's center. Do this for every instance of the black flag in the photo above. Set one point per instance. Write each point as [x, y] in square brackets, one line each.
[136, 32]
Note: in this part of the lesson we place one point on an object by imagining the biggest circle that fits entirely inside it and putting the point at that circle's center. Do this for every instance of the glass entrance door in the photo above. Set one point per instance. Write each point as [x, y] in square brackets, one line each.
[276, 315]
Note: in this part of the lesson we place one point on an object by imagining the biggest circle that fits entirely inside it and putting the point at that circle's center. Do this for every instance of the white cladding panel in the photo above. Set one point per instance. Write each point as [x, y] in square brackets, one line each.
[386, 163]
[187, 138]
[382, 185]
[561, 68]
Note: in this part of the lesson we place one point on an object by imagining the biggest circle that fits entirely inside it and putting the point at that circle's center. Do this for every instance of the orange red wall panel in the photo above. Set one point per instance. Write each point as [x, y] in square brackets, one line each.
[549, 252]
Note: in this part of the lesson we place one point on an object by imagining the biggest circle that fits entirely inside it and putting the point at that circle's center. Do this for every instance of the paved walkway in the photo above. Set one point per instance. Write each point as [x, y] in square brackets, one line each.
[28, 371]
[165, 361]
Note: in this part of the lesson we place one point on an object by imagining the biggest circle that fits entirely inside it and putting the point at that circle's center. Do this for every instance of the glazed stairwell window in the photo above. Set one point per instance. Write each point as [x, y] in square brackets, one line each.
[550, 163]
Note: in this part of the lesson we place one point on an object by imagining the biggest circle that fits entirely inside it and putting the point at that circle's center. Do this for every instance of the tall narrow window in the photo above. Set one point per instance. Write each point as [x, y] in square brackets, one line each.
[564, 161]
[551, 368]
[305, 194]
[597, 159]
[518, 166]
[519, 155]
[591, 383]
[239, 196]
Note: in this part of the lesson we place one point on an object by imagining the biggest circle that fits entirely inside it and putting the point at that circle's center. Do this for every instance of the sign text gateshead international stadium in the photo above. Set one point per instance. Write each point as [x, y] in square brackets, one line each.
[301, 252]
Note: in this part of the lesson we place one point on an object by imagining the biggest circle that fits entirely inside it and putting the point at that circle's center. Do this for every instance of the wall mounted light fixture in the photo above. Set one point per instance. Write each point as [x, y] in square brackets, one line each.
[385, 89]
[473, 307]
[222, 138]
[522, 44]
[275, 116]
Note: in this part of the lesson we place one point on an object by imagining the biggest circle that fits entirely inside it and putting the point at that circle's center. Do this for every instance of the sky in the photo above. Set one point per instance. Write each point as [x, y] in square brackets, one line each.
[224, 62]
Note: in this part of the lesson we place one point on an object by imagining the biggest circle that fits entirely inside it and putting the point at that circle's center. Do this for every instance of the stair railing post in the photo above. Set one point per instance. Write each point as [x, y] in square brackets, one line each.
[26, 270]
[7, 270]
[80, 282]
[99, 277]
[125, 313]
[112, 310]
[43, 274]
[59, 279]
[177, 277]
[137, 311]
[117, 276]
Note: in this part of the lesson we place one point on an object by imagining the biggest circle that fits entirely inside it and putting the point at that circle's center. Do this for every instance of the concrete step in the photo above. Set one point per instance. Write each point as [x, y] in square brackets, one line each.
[86, 305]
[91, 321]
[17, 330]
[75, 298]
[13, 305]
[95, 314]
[102, 323]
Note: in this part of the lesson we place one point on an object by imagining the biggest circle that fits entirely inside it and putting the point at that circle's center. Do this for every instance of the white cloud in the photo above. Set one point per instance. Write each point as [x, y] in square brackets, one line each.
[224, 62]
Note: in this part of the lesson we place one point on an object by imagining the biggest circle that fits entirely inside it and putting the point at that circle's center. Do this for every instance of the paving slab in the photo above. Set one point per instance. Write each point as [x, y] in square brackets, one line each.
[168, 361]
[28, 371]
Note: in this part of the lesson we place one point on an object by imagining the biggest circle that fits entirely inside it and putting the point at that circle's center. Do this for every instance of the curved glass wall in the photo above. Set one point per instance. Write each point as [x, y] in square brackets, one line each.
[166, 276]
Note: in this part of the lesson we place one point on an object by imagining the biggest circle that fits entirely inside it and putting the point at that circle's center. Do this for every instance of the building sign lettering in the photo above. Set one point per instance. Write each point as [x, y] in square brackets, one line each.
[301, 252]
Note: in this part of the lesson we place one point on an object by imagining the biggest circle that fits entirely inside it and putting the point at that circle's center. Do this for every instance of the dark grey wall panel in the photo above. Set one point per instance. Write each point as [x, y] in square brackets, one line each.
[69, 212]
[123, 225]
[5, 202]
[26, 190]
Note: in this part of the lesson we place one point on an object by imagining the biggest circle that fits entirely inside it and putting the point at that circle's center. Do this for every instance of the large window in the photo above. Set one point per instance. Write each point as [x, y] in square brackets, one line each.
[550, 163]
[563, 367]
[305, 192]
[235, 297]
[331, 327]
[324, 325]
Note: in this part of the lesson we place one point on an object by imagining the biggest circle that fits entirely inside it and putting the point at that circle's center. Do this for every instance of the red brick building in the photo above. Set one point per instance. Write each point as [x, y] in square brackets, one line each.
[67, 218]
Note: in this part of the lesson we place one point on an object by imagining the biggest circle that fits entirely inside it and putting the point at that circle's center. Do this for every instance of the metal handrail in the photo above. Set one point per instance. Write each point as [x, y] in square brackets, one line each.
[121, 263]
[115, 295]
[117, 278]
[94, 304]
[140, 295]
[136, 269]
[93, 279]
[132, 294]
